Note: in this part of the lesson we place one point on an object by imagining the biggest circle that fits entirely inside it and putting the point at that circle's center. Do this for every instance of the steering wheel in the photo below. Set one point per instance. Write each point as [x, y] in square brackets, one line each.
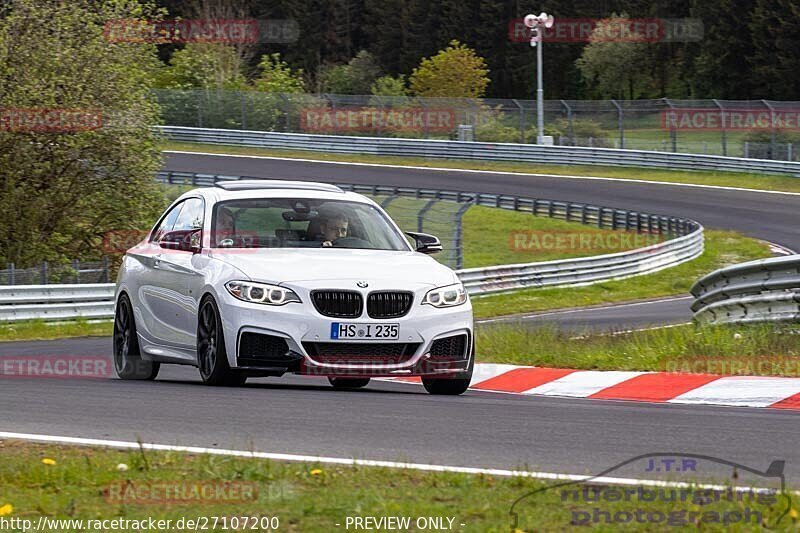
[351, 242]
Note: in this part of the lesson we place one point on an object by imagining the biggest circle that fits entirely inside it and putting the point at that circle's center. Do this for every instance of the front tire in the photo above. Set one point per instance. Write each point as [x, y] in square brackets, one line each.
[128, 362]
[348, 383]
[455, 385]
[212, 357]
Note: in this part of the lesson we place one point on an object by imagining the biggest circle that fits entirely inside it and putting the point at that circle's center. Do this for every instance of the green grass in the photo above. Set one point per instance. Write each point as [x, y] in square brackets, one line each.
[500, 237]
[728, 349]
[307, 496]
[722, 248]
[725, 179]
[30, 330]
[497, 236]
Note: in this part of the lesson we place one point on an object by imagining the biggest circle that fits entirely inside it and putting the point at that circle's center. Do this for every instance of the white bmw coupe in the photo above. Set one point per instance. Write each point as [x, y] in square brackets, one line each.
[259, 277]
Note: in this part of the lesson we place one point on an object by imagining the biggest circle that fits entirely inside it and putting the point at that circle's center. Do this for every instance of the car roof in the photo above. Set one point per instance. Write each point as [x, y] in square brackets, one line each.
[251, 189]
[254, 185]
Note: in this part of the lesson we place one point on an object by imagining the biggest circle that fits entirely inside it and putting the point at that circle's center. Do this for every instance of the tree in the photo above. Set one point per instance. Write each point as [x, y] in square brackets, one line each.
[456, 72]
[203, 66]
[64, 186]
[614, 68]
[389, 86]
[277, 77]
[775, 61]
[356, 77]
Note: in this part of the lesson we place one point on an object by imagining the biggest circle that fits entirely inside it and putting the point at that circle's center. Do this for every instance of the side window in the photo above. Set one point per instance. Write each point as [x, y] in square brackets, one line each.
[166, 223]
[191, 216]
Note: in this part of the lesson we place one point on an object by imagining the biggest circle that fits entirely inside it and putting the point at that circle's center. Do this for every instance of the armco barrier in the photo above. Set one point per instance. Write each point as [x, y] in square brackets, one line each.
[766, 290]
[56, 302]
[528, 153]
[581, 271]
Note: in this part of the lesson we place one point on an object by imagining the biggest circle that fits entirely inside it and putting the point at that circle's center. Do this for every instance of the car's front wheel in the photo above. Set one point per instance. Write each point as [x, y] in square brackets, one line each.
[212, 358]
[454, 385]
[349, 383]
[128, 362]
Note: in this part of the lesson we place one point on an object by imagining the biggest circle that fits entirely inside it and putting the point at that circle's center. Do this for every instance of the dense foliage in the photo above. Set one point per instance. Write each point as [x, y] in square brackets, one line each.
[749, 49]
[67, 182]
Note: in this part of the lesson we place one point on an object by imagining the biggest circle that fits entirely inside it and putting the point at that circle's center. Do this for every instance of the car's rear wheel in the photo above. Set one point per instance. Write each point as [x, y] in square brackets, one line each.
[452, 386]
[212, 357]
[349, 383]
[128, 362]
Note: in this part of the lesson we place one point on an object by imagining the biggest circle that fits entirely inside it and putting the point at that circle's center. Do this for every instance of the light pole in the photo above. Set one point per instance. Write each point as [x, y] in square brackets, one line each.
[535, 23]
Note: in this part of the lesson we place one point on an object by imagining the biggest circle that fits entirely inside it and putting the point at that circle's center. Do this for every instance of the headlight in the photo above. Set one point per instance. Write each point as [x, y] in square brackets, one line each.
[448, 296]
[261, 293]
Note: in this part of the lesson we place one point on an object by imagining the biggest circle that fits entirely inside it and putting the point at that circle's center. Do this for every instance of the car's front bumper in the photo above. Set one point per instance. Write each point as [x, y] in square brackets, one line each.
[304, 330]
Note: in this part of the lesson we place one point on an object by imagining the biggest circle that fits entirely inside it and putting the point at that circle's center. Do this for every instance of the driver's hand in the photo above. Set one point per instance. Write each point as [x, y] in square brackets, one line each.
[327, 243]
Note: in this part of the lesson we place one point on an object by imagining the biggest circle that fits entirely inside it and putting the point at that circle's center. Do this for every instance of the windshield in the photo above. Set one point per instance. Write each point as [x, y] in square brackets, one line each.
[302, 223]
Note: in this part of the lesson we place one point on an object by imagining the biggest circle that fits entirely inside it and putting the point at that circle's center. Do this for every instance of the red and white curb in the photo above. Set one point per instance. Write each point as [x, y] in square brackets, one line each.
[654, 387]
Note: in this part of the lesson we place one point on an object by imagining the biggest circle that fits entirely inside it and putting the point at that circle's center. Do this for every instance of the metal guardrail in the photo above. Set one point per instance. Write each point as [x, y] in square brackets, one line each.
[439, 149]
[766, 290]
[687, 245]
[746, 128]
[56, 302]
[59, 302]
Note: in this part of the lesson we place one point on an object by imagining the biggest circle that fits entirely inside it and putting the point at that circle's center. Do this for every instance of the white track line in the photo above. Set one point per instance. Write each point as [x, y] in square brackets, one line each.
[80, 441]
[476, 171]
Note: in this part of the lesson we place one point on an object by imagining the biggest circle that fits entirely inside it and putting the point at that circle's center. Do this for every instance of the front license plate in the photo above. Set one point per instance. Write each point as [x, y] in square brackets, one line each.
[344, 330]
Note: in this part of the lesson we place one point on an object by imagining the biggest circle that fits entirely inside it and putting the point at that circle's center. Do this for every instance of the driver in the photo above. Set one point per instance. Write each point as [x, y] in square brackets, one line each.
[333, 225]
[225, 227]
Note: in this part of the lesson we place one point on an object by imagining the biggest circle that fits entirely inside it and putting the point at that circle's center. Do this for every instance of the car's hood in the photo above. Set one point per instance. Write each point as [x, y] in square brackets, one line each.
[280, 265]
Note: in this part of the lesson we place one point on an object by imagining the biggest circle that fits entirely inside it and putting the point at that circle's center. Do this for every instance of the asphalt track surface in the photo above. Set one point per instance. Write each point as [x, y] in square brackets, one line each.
[400, 422]
[386, 421]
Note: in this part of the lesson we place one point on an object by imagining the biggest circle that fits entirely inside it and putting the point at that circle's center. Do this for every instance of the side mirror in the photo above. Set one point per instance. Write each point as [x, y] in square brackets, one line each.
[425, 243]
[182, 240]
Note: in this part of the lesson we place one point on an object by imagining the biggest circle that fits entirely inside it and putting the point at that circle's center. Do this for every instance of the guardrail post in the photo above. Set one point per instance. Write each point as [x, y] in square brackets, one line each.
[244, 109]
[106, 271]
[771, 129]
[422, 213]
[76, 267]
[722, 131]
[44, 272]
[458, 244]
[287, 108]
[570, 122]
[619, 124]
[199, 109]
[673, 133]
[11, 274]
[521, 122]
